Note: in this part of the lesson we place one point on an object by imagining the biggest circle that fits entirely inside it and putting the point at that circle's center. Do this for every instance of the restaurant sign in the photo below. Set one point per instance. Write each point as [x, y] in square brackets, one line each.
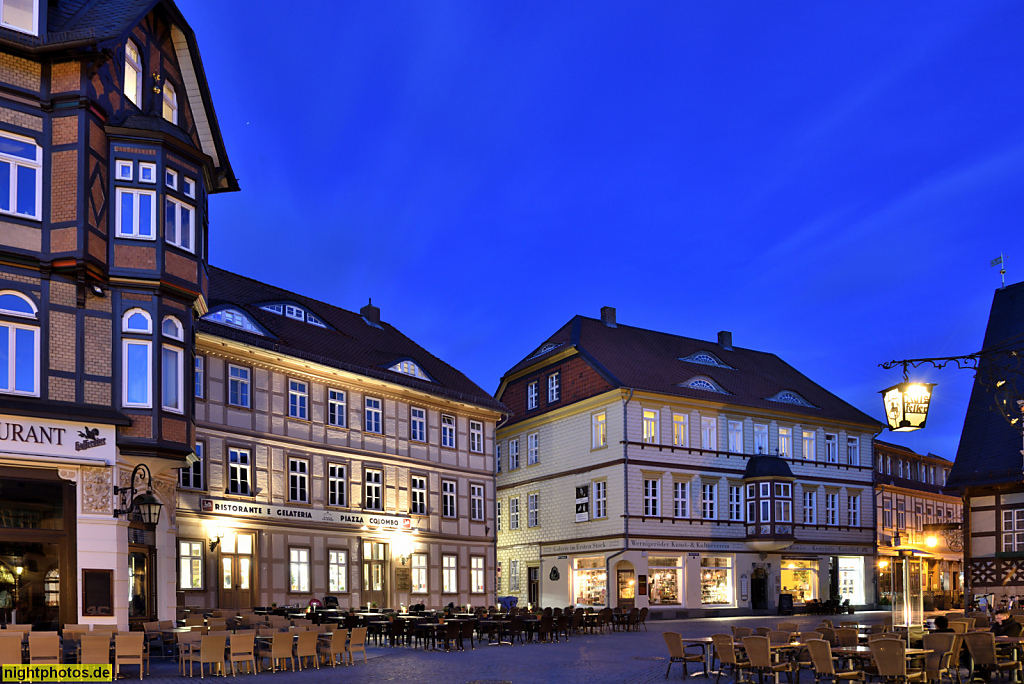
[25, 435]
[375, 521]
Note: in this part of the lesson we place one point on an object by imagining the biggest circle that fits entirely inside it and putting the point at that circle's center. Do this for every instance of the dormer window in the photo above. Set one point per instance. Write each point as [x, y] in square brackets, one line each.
[408, 367]
[790, 397]
[544, 349]
[295, 312]
[235, 319]
[705, 358]
[21, 15]
[132, 71]
[703, 383]
[170, 103]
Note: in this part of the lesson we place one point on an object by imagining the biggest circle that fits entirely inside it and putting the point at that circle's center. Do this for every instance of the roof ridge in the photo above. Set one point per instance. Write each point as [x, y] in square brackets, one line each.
[673, 335]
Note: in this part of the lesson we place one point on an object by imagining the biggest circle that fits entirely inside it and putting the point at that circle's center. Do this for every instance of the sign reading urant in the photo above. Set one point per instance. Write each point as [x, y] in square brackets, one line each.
[318, 515]
[24, 434]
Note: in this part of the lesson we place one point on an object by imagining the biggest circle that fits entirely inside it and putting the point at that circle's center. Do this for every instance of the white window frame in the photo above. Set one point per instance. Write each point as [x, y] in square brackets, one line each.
[448, 430]
[449, 574]
[170, 107]
[418, 494]
[373, 489]
[337, 485]
[600, 490]
[237, 468]
[513, 513]
[190, 573]
[337, 571]
[709, 434]
[513, 576]
[476, 502]
[373, 420]
[652, 497]
[476, 574]
[12, 344]
[133, 62]
[680, 430]
[298, 399]
[124, 170]
[497, 514]
[34, 30]
[171, 352]
[736, 503]
[554, 387]
[188, 187]
[809, 445]
[533, 509]
[832, 449]
[650, 418]
[175, 225]
[476, 436]
[298, 480]
[681, 499]
[708, 501]
[810, 508]
[513, 454]
[831, 509]
[171, 178]
[853, 451]
[1012, 530]
[199, 376]
[761, 444]
[126, 372]
[35, 165]
[735, 436]
[241, 384]
[785, 442]
[599, 431]
[188, 475]
[136, 225]
[449, 499]
[417, 424]
[532, 448]
[337, 413]
[531, 395]
[853, 510]
[783, 502]
[419, 573]
[298, 569]
[150, 178]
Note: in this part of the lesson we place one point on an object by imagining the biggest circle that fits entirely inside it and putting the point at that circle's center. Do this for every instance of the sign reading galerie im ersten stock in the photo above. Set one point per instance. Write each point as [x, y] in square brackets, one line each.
[39, 436]
[378, 521]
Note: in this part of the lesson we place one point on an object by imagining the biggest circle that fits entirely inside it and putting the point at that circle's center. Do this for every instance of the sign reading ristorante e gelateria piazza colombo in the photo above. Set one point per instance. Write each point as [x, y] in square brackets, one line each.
[246, 509]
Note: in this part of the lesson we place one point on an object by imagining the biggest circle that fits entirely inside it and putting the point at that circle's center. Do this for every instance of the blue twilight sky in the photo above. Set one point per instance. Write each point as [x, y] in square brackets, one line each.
[829, 181]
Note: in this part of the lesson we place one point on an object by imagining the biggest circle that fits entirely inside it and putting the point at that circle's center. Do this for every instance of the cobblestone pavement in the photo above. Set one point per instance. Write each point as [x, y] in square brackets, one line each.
[619, 657]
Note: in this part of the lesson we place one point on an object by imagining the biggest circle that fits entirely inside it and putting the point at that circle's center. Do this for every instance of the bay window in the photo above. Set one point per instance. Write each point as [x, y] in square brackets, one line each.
[19, 345]
[21, 170]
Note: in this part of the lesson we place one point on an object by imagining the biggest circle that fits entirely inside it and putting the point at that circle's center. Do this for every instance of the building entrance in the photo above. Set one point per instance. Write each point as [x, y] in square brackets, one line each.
[376, 569]
[236, 570]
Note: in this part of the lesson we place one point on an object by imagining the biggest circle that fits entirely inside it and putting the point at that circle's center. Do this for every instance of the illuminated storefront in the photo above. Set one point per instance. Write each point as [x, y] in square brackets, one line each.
[716, 581]
[851, 579]
[665, 580]
[590, 581]
[800, 578]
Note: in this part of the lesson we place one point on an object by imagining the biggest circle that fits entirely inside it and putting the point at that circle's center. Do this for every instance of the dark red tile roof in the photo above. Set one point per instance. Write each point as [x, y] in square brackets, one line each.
[989, 451]
[349, 344]
[648, 360]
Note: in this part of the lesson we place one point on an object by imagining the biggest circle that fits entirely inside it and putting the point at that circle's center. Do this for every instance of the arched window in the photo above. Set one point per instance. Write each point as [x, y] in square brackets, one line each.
[172, 328]
[137, 359]
[21, 170]
[133, 74]
[19, 344]
[172, 367]
[170, 103]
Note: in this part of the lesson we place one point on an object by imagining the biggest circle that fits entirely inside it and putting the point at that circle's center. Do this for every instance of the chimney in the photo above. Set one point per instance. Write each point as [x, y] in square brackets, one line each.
[371, 313]
[608, 316]
[725, 340]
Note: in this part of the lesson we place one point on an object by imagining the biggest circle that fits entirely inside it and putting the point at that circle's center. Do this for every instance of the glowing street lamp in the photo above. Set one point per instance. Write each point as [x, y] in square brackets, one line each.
[906, 405]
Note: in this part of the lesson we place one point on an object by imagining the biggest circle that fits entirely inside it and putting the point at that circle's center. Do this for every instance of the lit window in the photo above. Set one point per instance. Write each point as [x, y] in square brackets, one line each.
[832, 450]
[448, 507]
[132, 74]
[418, 424]
[554, 387]
[449, 574]
[21, 170]
[419, 573]
[235, 319]
[681, 499]
[533, 510]
[136, 214]
[373, 499]
[298, 480]
[785, 442]
[476, 436]
[336, 485]
[476, 575]
[298, 399]
[238, 386]
[180, 224]
[680, 430]
[448, 431]
[372, 419]
[239, 481]
[650, 426]
[191, 476]
[513, 454]
[652, 498]
[809, 445]
[298, 570]
[760, 439]
[418, 495]
[336, 408]
[19, 345]
[600, 430]
[531, 396]
[532, 449]
[170, 103]
[190, 555]
[137, 360]
[476, 502]
[409, 368]
[337, 572]
[20, 15]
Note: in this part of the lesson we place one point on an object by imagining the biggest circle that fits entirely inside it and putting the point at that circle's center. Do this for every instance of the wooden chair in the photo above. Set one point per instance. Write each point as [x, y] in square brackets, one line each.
[128, 650]
[43, 649]
[356, 644]
[278, 648]
[937, 662]
[891, 661]
[10, 649]
[677, 653]
[210, 652]
[725, 651]
[242, 649]
[759, 652]
[305, 647]
[94, 649]
[821, 657]
[982, 647]
[333, 645]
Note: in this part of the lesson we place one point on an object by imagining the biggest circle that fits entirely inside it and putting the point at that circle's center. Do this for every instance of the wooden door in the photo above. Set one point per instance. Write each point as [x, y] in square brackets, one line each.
[533, 585]
[375, 574]
[627, 590]
[237, 561]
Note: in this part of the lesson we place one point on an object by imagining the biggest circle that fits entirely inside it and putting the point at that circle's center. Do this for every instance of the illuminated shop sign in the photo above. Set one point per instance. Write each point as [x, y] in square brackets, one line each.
[316, 515]
[26, 435]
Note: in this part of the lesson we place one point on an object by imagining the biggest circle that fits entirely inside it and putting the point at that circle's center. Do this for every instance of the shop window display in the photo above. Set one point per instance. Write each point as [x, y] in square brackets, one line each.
[800, 578]
[716, 580]
[591, 582]
[851, 579]
[664, 580]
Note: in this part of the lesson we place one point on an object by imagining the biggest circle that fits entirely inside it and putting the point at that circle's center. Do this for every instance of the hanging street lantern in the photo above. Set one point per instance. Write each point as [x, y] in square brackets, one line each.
[906, 405]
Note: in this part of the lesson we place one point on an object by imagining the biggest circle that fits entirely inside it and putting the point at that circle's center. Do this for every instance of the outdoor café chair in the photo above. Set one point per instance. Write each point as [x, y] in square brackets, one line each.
[829, 635]
[788, 627]
[959, 626]
[824, 666]
[778, 637]
[846, 636]
[757, 648]
[242, 649]
[740, 632]
[356, 644]
[937, 662]
[451, 635]
[760, 631]
[891, 661]
[725, 651]
[210, 652]
[332, 645]
[128, 650]
[677, 653]
[305, 648]
[43, 649]
[275, 648]
[94, 649]
[982, 647]
[466, 631]
[186, 642]
[10, 649]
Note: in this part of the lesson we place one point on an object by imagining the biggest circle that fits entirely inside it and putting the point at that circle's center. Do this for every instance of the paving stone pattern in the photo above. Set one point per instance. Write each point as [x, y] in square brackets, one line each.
[619, 657]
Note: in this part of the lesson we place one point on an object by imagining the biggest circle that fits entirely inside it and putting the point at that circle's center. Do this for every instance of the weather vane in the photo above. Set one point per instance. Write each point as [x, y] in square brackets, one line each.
[1000, 261]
